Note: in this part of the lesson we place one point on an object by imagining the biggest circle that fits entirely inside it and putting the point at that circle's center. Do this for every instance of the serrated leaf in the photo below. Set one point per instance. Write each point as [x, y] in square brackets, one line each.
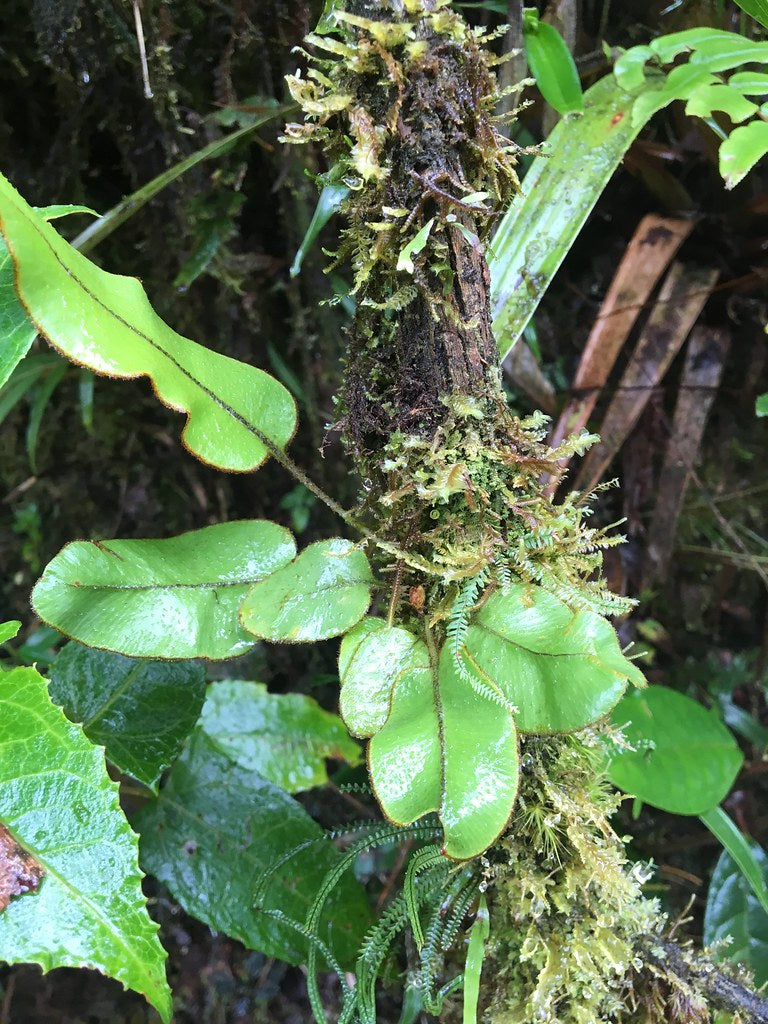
[734, 913]
[141, 711]
[709, 98]
[561, 669]
[105, 322]
[552, 65]
[372, 658]
[59, 804]
[285, 738]
[449, 749]
[741, 151]
[685, 759]
[214, 832]
[323, 593]
[173, 598]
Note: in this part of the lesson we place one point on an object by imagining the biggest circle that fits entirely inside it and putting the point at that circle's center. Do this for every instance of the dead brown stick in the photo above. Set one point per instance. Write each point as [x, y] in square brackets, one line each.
[681, 299]
[704, 361]
[647, 256]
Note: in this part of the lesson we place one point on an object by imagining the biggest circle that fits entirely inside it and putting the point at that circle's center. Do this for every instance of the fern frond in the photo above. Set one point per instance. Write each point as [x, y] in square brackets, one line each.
[424, 858]
[458, 622]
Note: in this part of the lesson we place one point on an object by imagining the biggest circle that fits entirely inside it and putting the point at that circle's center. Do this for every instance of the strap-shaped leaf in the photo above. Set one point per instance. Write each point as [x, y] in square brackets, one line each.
[562, 670]
[448, 749]
[284, 737]
[105, 322]
[142, 711]
[323, 593]
[372, 657]
[60, 806]
[171, 598]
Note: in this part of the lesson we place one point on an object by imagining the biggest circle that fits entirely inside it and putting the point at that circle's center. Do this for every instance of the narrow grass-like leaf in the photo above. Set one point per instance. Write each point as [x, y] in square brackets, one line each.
[323, 593]
[141, 711]
[684, 760]
[738, 847]
[286, 738]
[235, 413]
[331, 198]
[40, 398]
[17, 332]
[478, 936]
[60, 806]
[171, 598]
[757, 9]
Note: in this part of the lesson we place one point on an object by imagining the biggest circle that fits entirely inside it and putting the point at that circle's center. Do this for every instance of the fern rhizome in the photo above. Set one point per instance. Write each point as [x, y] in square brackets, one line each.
[400, 95]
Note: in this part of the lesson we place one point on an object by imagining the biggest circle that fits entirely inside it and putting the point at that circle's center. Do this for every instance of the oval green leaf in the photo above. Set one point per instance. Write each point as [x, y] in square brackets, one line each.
[323, 593]
[552, 65]
[141, 711]
[285, 738]
[372, 658]
[448, 749]
[236, 413]
[172, 598]
[685, 759]
[561, 669]
[213, 834]
[60, 806]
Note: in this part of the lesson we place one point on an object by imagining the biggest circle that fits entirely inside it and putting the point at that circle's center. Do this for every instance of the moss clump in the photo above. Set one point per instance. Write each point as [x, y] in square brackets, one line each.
[567, 908]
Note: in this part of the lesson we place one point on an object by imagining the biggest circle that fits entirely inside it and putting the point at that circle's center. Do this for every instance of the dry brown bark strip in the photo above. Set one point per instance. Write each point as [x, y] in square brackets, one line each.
[647, 256]
[19, 871]
[681, 299]
[704, 361]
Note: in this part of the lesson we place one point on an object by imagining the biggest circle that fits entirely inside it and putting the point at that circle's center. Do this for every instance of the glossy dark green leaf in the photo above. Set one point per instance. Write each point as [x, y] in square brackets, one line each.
[552, 65]
[449, 749]
[59, 804]
[685, 759]
[561, 669]
[172, 598]
[372, 657]
[734, 913]
[321, 594]
[741, 849]
[215, 830]
[235, 413]
[285, 738]
[141, 711]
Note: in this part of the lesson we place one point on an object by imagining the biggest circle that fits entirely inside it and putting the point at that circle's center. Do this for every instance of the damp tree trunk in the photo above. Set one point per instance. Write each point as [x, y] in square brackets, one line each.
[404, 108]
